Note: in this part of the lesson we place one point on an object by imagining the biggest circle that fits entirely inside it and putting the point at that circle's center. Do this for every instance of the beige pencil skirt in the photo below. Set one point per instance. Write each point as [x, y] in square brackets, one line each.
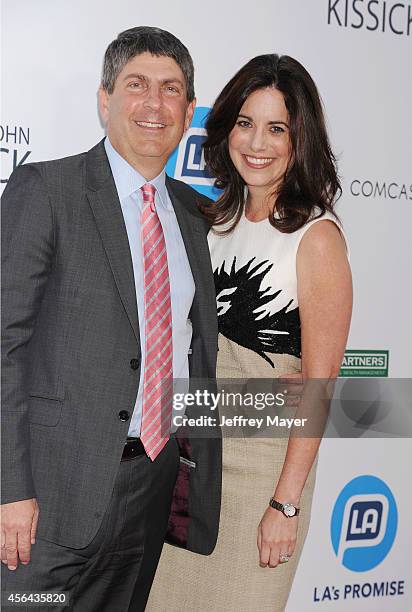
[230, 579]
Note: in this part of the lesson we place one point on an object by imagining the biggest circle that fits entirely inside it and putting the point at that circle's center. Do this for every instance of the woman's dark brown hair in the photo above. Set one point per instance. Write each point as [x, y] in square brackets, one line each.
[311, 177]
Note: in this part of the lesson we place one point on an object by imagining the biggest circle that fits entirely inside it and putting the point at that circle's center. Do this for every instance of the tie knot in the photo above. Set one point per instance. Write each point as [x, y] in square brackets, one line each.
[148, 193]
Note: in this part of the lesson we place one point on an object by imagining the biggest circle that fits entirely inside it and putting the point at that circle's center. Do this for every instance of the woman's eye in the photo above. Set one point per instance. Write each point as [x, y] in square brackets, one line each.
[276, 129]
[243, 123]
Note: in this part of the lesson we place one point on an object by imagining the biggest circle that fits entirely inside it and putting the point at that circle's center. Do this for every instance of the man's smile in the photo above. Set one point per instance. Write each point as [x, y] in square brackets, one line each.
[149, 125]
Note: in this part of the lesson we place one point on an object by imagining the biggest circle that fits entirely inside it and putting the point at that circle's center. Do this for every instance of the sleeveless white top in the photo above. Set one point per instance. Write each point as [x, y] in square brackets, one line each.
[256, 284]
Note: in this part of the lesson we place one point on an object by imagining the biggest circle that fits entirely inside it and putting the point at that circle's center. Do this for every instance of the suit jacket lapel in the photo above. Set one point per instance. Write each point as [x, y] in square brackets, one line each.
[193, 228]
[104, 202]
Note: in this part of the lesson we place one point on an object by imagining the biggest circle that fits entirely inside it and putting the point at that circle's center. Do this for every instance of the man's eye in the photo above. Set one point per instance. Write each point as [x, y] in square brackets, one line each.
[135, 84]
[172, 89]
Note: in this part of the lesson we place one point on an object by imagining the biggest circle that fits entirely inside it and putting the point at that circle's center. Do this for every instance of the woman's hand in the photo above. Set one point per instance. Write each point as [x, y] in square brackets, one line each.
[276, 537]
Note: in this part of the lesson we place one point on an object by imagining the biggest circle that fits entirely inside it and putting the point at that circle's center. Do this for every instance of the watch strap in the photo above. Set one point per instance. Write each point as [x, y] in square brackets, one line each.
[278, 506]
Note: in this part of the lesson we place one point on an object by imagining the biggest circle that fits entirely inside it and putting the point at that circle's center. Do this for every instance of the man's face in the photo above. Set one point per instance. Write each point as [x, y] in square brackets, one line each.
[148, 112]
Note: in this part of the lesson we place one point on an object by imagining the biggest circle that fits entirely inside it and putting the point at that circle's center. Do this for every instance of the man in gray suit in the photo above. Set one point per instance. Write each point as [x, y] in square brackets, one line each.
[91, 480]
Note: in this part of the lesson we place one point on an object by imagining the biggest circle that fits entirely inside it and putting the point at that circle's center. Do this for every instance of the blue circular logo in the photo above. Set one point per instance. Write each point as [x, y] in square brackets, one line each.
[187, 162]
[364, 523]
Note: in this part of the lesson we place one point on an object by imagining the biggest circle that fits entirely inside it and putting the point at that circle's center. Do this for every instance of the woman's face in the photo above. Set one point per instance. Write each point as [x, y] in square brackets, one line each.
[259, 143]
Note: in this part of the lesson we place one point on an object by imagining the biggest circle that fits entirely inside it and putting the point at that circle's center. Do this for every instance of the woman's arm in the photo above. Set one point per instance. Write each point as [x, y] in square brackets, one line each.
[325, 306]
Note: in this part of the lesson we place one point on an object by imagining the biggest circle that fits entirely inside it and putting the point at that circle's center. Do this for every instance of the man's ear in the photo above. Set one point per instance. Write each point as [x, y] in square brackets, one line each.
[103, 104]
[189, 113]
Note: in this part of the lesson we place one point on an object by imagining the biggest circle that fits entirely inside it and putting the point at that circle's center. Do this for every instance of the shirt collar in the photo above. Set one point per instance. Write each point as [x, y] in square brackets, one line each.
[128, 180]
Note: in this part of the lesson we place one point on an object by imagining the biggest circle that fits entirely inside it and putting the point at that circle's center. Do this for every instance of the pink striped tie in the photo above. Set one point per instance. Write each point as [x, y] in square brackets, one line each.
[158, 374]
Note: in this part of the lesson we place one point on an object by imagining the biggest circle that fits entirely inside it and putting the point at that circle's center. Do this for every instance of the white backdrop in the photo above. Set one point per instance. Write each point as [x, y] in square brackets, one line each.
[359, 54]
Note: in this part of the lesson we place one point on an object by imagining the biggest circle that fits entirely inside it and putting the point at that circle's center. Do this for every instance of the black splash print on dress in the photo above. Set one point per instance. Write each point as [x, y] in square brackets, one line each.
[237, 317]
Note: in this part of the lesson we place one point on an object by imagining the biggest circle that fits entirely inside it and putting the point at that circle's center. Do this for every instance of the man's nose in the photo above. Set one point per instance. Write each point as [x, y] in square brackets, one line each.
[153, 98]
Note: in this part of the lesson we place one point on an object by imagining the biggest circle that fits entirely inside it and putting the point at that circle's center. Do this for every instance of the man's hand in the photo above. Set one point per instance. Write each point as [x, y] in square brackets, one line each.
[18, 531]
[291, 383]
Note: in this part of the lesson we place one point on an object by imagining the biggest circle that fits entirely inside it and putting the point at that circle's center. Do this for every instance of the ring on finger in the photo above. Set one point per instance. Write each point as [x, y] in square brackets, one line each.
[284, 558]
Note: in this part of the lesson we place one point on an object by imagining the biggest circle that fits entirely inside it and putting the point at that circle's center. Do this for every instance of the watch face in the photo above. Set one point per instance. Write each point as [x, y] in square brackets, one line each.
[289, 509]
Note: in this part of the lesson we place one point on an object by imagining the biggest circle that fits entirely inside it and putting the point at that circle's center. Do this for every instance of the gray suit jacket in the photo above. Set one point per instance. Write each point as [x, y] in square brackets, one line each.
[70, 331]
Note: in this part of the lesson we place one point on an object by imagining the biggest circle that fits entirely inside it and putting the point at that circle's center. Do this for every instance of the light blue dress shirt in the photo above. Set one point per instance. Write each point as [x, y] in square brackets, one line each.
[182, 288]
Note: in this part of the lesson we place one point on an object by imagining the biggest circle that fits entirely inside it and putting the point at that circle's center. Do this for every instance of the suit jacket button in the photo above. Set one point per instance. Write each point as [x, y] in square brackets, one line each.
[124, 415]
[134, 364]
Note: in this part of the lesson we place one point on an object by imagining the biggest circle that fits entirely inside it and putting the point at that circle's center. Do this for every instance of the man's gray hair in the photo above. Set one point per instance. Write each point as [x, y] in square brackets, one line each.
[143, 39]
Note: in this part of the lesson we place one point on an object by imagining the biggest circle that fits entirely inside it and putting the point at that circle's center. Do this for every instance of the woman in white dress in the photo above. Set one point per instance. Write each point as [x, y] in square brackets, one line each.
[284, 299]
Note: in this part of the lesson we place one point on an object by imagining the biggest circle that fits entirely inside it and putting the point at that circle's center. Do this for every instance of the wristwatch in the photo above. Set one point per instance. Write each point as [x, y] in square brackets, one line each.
[288, 509]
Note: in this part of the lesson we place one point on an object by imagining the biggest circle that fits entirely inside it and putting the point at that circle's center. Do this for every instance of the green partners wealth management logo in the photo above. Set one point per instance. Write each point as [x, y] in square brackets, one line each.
[365, 363]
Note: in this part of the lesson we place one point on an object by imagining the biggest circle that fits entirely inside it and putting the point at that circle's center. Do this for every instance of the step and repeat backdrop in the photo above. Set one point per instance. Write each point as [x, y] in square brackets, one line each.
[357, 555]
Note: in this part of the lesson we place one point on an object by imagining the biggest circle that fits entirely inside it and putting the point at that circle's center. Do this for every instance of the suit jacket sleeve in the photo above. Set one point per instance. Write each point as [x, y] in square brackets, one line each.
[27, 255]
